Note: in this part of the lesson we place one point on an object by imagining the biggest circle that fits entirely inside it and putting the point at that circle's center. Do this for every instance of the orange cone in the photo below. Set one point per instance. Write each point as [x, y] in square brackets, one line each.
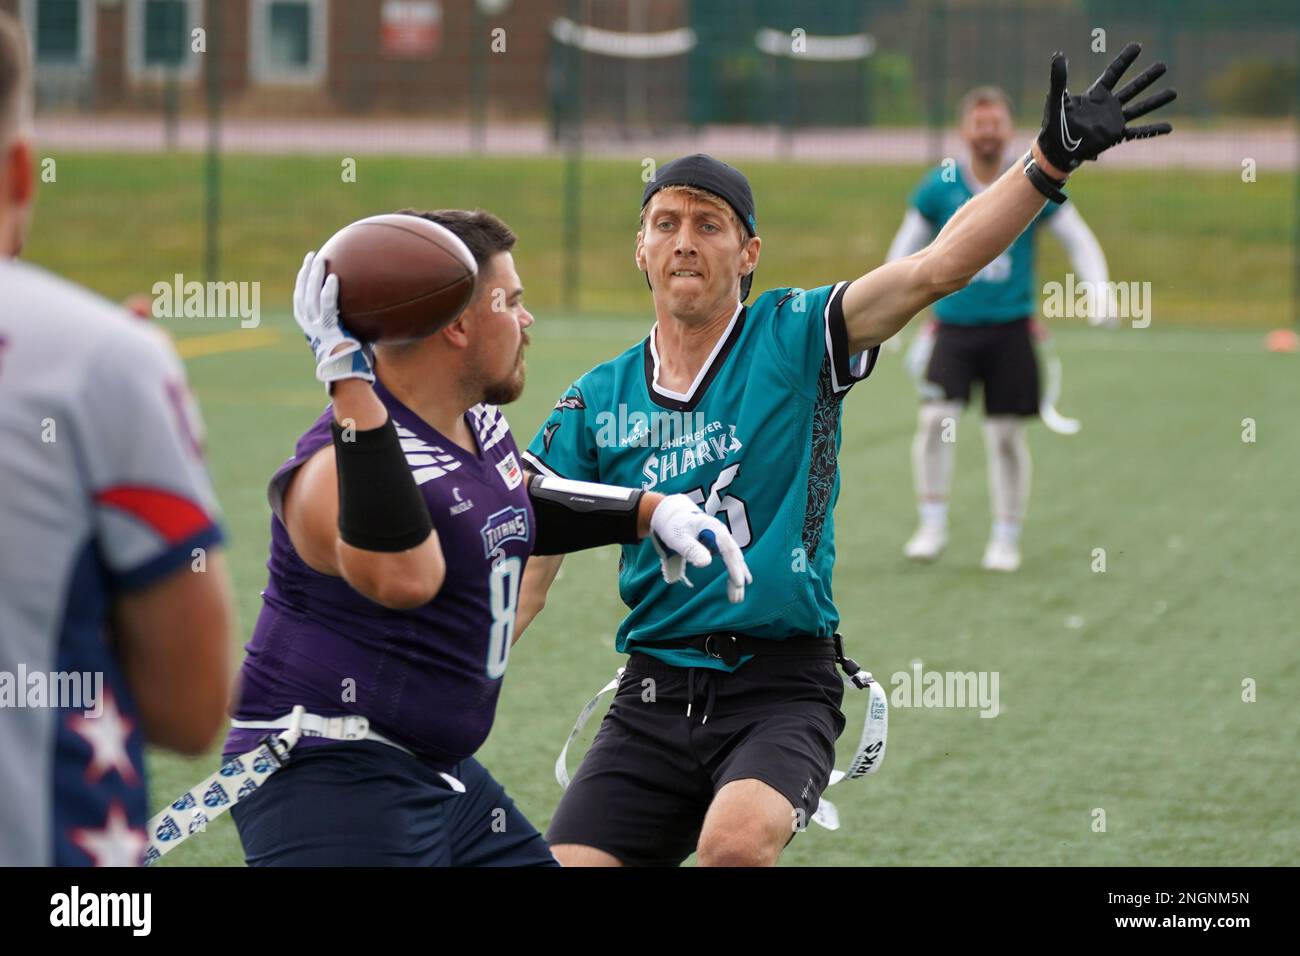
[1282, 340]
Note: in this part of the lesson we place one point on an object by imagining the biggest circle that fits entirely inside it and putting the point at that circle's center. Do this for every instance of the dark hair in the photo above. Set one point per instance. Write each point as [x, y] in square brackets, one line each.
[484, 233]
[981, 95]
[13, 71]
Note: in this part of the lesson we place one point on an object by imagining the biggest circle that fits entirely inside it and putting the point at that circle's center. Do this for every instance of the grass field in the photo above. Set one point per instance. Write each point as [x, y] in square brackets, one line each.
[1216, 251]
[1119, 690]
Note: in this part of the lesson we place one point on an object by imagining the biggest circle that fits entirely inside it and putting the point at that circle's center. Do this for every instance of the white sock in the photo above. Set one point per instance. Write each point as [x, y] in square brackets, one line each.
[932, 459]
[1008, 531]
[934, 513]
[1009, 471]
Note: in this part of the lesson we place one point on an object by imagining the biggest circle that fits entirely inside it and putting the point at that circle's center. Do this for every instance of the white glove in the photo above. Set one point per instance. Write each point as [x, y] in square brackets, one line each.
[677, 528]
[316, 309]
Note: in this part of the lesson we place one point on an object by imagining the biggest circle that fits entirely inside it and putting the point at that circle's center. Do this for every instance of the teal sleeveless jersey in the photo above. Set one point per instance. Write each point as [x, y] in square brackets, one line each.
[1004, 289]
[755, 442]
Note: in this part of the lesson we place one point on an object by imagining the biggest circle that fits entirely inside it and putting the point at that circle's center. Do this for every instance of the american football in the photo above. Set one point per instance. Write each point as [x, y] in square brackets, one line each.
[400, 277]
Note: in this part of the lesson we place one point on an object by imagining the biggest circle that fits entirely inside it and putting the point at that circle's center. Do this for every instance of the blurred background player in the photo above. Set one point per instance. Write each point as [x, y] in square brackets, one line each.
[108, 546]
[402, 525]
[734, 748]
[985, 332]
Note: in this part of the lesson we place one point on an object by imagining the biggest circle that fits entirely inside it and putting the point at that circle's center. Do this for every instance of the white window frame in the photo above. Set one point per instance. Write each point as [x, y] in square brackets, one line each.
[85, 41]
[135, 65]
[259, 30]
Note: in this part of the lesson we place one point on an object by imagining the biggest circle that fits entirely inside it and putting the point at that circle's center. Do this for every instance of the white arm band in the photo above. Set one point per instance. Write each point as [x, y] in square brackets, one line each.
[1086, 258]
[913, 235]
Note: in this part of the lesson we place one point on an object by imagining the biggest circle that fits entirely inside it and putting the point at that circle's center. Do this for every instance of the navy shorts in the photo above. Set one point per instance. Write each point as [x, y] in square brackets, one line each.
[365, 803]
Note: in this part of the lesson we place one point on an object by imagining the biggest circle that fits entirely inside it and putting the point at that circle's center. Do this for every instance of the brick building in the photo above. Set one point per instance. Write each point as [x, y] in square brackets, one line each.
[305, 56]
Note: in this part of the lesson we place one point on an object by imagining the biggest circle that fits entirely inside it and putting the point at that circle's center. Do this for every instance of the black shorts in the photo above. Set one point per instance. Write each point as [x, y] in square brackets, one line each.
[1001, 356]
[645, 785]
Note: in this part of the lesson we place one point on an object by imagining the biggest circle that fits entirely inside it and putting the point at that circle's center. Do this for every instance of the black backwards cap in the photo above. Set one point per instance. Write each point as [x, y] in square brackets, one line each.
[713, 176]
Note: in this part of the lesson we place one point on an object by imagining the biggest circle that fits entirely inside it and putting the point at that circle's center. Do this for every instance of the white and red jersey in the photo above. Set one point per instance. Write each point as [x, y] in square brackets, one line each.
[103, 491]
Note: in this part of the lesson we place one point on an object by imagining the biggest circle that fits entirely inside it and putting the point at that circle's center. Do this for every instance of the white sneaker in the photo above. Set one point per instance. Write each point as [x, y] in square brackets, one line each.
[1001, 555]
[928, 542]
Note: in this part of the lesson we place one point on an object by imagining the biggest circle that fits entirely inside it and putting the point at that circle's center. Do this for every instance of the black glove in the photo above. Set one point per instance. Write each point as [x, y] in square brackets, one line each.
[1076, 128]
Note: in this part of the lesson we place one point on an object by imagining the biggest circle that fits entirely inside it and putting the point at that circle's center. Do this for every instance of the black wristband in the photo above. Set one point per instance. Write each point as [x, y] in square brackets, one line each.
[573, 516]
[1045, 184]
[380, 506]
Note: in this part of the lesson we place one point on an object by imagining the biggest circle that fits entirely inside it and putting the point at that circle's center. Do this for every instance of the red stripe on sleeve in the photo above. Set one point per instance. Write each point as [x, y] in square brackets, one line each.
[173, 517]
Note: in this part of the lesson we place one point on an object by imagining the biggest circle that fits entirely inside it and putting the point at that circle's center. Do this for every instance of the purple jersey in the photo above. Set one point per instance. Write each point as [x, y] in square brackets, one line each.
[426, 678]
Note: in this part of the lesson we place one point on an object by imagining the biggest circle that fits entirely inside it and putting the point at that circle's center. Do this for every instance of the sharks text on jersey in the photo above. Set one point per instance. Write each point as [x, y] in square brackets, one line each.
[713, 443]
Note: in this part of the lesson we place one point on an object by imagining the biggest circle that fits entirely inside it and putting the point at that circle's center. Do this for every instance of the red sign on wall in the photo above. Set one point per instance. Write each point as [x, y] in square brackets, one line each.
[411, 28]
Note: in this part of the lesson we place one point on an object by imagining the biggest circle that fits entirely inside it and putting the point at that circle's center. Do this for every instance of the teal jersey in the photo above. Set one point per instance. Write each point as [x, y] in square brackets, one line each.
[1004, 289]
[755, 442]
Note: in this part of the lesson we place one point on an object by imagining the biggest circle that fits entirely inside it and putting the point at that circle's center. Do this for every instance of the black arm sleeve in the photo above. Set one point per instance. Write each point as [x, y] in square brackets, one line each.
[380, 506]
[575, 515]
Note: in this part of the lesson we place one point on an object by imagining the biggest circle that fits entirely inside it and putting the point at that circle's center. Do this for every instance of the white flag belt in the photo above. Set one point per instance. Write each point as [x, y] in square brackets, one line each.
[350, 727]
[241, 776]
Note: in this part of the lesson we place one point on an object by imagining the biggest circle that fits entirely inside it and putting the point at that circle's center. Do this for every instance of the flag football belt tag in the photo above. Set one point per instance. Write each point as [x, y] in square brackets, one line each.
[561, 762]
[866, 759]
[241, 776]
[193, 810]
[1052, 418]
[871, 746]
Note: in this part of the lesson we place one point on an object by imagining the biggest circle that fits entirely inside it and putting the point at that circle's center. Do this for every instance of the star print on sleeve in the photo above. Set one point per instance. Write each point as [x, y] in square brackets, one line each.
[117, 843]
[107, 735]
